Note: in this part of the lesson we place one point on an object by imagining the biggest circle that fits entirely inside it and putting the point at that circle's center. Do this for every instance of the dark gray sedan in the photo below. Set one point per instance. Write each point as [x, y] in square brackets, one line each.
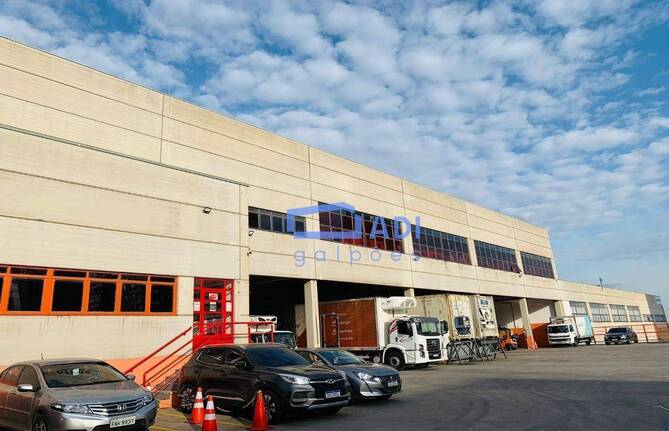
[75, 394]
[367, 380]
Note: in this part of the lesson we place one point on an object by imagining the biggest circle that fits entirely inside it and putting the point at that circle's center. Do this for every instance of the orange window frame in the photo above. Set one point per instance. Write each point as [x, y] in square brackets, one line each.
[49, 280]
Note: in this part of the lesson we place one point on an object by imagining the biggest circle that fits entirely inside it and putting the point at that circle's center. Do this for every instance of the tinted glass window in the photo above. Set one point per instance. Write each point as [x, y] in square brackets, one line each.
[440, 245]
[102, 296]
[133, 297]
[162, 298]
[539, 266]
[404, 328]
[29, 377]
[212, 356]
[25, 294]
[233, 357]
[340, 357]
[67, 295]
[11, 376]
[275, 357]
[82, 374]
[496, 257]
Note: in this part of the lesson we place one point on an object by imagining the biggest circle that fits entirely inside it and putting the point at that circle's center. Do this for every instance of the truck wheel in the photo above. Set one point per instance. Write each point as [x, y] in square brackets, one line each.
[587, 342]
[575, 342]
[395, 360]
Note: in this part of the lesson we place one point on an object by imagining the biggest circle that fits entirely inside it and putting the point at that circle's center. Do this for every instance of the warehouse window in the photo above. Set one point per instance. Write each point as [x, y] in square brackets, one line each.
[440, 245]
[496, 257]
[30, 290]
[634, 313]
[67, 295]
[273, 221]
[578, 308]
[342, 220]
[618, 313]
[25, 294]
[600, 312]
[660, 317]
[536, 265]
[648, 318]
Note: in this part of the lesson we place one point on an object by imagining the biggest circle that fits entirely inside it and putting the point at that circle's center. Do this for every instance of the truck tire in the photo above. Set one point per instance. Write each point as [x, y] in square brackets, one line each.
[395, 359]
[575, 342]
[588, 341]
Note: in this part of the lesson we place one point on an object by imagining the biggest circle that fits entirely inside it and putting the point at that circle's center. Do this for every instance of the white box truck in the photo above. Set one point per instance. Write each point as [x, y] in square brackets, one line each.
[570, 330]
[379, 329]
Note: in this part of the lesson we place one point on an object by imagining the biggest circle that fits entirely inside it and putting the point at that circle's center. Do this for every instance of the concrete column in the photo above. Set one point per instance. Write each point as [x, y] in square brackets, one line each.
[409, 292]
[519, 261]
[527, 324]
[311, 315]
[242, 283]
[472, 251]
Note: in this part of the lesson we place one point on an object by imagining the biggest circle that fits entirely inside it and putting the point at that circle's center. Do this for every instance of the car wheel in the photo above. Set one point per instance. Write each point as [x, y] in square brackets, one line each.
[636, 340]
[39, 423]
[629, 341]
[186, 398]
[272, 406]
[607, 343]
[395, 360]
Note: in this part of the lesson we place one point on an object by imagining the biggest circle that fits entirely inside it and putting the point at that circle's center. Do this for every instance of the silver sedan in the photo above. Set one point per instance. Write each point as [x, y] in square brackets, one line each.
[79, 394]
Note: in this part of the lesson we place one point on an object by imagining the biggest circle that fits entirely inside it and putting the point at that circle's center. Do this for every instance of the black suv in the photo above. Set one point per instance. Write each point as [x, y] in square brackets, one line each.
[623, 334]
[232, 374]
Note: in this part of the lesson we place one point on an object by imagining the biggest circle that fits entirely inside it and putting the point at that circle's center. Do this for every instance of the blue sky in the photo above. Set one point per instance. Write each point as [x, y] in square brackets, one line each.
[552, 111]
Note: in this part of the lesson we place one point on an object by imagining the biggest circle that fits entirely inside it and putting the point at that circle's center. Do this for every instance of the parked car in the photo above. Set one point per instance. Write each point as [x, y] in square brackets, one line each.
[232, 375]
[623, 334]
[367, 380]
[72, 394]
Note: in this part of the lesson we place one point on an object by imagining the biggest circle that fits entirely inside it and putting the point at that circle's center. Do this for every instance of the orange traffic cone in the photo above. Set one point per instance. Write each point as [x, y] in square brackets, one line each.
[209, 423]
[198, 409]
[260, 414]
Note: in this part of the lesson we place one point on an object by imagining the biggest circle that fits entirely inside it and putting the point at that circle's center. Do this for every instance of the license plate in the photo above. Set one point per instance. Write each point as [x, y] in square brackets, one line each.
[393, 383]
[332, 394]
[122, 422]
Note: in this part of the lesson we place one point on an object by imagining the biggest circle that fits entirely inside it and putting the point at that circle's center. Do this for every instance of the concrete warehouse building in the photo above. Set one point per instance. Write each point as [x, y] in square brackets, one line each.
[127, 215]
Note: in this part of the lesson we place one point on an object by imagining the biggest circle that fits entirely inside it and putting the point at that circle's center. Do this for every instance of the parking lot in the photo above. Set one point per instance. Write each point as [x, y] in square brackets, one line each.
[597, 387]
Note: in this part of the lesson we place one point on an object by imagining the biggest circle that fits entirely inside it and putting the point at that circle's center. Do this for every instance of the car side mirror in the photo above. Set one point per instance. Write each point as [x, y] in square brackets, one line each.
[131, 377]
[26, 388]
[243, 365]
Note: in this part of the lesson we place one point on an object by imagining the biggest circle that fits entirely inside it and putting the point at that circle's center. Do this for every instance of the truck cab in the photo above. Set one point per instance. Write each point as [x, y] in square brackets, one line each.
[570, 330]
[413, 341]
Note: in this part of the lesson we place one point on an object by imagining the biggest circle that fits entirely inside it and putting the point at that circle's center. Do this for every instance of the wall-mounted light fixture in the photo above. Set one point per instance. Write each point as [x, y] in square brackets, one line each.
[251, 232]
[206, 210]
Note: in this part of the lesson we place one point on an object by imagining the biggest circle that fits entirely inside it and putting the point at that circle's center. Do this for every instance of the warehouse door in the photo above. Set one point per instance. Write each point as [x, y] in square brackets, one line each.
[213, 306]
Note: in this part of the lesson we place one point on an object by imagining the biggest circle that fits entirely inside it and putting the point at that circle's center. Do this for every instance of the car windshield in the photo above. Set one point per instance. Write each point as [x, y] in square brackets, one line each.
[286, 338]
[428, 327]
[340, 357]
[275, 357]
[617, 331]
[558, 329]
[80, 374]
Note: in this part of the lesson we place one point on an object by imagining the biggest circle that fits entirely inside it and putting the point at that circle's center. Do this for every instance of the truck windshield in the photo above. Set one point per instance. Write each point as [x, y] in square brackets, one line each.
[428, 327]
[617, 331]
[558, 329]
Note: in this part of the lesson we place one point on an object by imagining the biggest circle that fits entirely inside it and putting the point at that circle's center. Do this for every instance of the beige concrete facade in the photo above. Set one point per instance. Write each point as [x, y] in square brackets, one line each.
[99, 173]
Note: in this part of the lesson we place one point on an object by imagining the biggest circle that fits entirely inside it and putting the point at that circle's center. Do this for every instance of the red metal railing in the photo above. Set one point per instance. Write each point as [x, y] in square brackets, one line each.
[170, 358]
[647, 332]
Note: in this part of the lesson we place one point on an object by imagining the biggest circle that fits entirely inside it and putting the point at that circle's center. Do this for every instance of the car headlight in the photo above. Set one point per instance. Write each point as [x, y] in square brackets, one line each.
[367, 377]
[296, 380]
[623, 336]
[148, 398]
[71, 408]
